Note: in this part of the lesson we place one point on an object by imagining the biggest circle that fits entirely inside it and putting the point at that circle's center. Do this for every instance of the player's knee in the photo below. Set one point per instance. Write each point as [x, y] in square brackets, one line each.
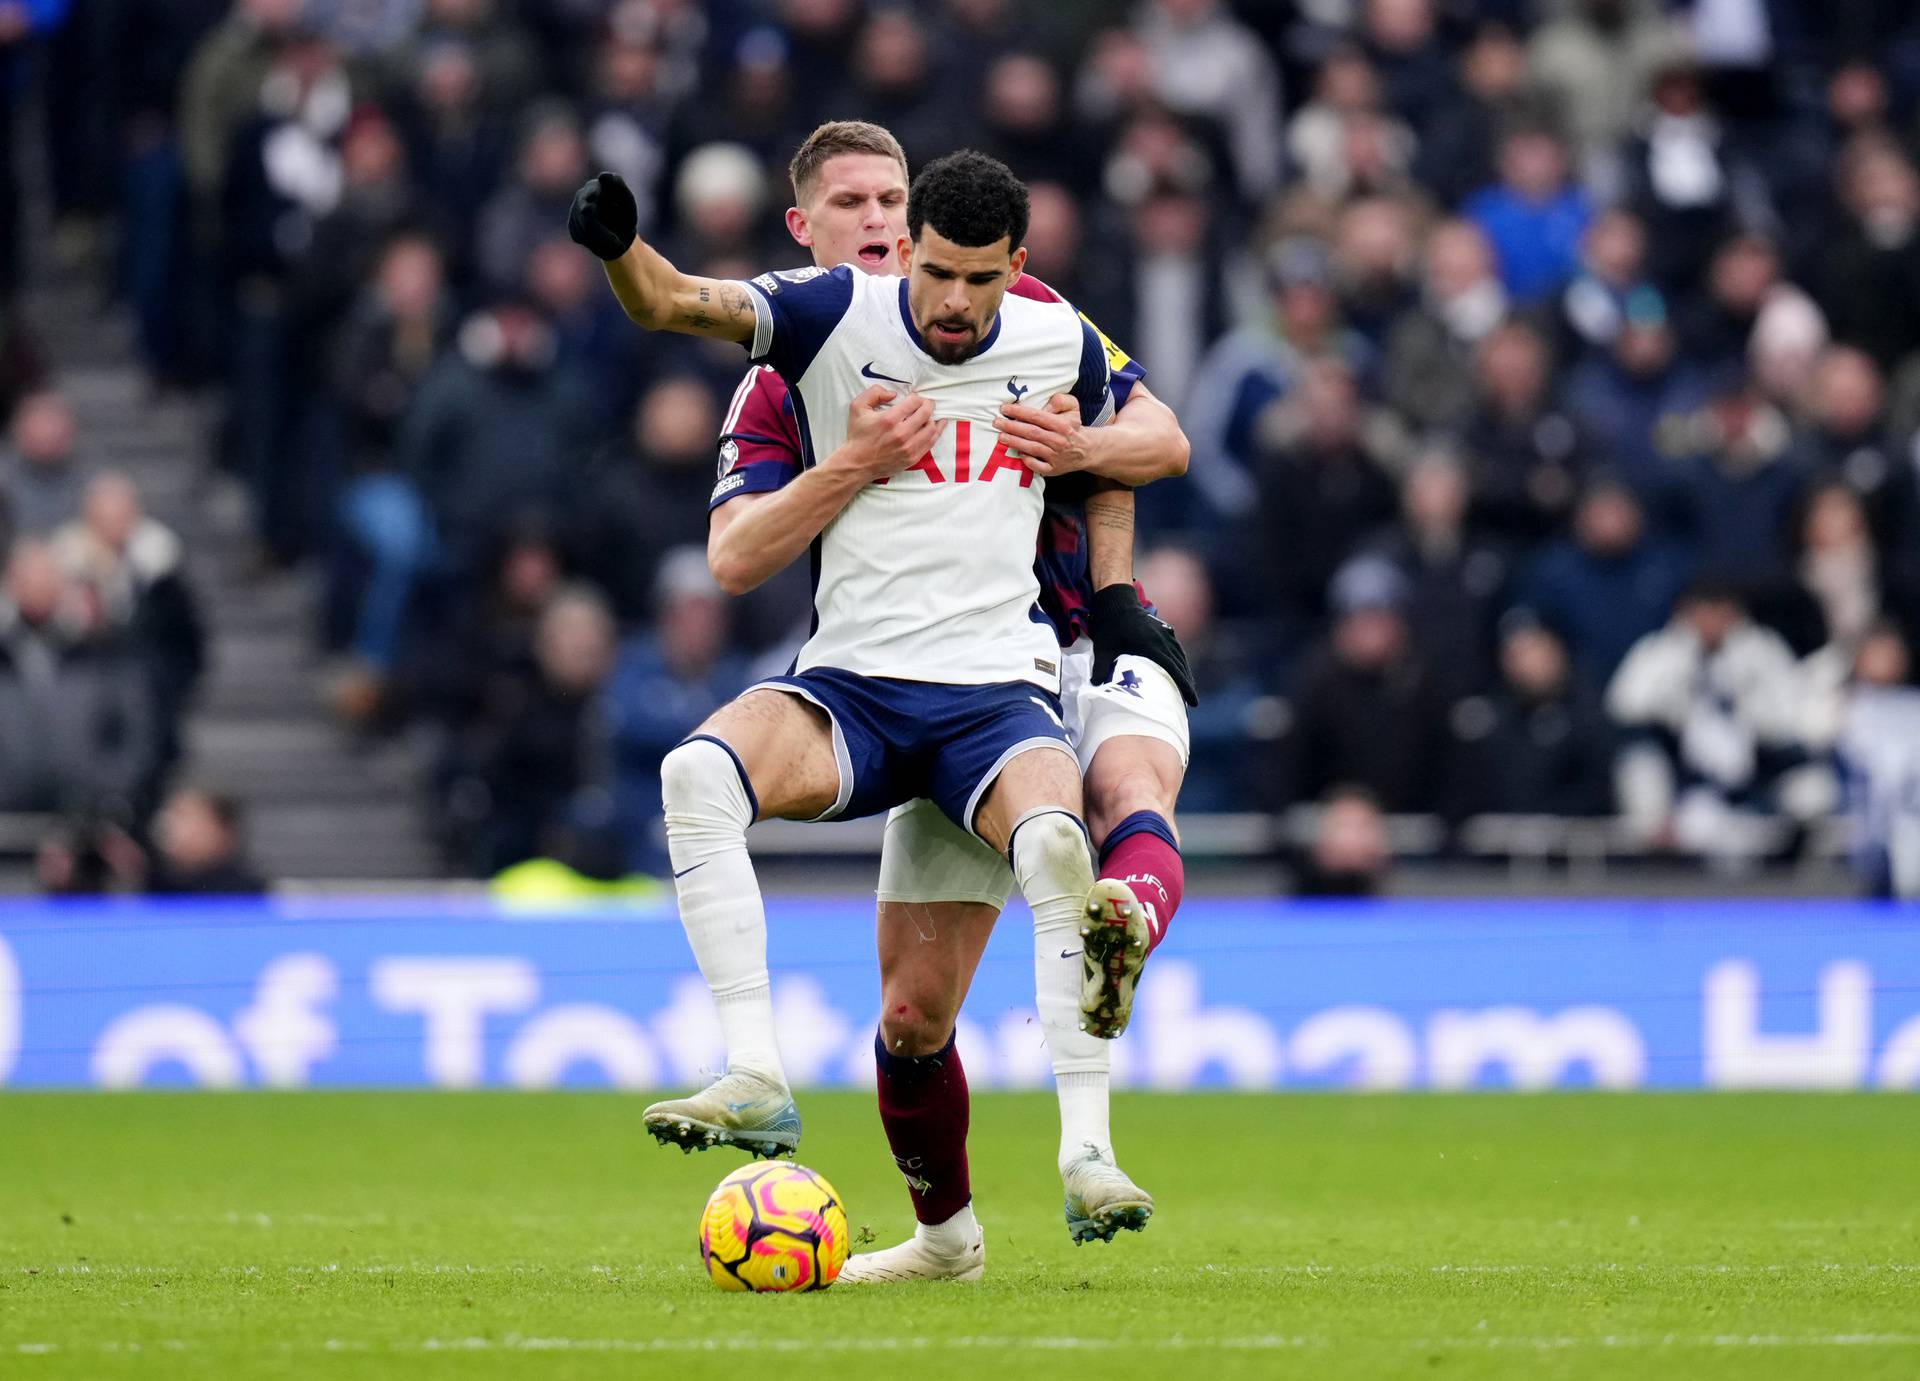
[1129, 795]
[911, 1026]
[1050, 844]
[1120, 784]
[701, 780]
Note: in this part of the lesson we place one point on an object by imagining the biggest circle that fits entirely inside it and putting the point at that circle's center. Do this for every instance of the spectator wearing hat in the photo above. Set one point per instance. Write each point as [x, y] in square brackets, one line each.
[666, 681]
[719, 196]
[1635, 400]
[1369, 711]
[1607, 585]
[757, 103]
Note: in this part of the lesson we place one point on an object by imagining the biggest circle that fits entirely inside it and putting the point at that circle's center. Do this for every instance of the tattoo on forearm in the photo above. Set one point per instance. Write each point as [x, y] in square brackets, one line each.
[699, 319]
[1114, 519]
[706, 294]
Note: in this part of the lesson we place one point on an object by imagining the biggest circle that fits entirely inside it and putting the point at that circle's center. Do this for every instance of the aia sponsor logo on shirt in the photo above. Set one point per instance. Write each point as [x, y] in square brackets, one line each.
[963, 466]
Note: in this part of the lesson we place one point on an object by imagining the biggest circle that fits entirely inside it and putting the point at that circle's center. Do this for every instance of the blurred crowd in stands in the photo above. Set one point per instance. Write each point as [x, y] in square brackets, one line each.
[1552, 369]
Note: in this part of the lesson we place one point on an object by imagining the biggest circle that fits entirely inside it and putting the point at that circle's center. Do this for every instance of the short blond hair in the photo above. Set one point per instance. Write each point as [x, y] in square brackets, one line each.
[835, 138]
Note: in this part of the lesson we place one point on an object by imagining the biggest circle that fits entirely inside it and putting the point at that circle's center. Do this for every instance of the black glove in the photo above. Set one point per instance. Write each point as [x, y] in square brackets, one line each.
[1122, 627]
[605, 217]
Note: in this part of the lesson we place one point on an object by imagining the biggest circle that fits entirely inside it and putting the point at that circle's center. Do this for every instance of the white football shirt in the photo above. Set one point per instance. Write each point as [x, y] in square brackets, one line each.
[927, 576]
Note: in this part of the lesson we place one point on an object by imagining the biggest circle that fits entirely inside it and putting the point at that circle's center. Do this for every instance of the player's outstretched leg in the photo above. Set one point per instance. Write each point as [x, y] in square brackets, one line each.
[924, 1107]
[709, 805]
[1051, 860]
[1101, 1199]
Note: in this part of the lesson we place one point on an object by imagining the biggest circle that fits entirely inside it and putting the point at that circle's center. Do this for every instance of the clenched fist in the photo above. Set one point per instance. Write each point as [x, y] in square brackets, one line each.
[605, 217]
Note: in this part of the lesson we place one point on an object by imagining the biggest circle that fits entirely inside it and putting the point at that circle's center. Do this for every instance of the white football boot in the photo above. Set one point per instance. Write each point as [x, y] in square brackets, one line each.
[740, 1108]
[917, 1259]
[1113, 949]
[1102, 1199]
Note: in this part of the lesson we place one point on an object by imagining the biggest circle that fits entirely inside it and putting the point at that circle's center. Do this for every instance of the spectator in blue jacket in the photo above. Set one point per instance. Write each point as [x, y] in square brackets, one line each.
[1631, 400]
[1609, 585]
[1535, 215]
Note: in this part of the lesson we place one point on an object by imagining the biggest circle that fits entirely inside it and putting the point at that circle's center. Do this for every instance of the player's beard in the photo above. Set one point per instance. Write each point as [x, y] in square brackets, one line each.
[948, 351]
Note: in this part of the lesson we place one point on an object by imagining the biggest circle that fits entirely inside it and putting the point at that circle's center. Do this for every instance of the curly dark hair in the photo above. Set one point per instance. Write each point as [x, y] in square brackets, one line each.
[970, 199]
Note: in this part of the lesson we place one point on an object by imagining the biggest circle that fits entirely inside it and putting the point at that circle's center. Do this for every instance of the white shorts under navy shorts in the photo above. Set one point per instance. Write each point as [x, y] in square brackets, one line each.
[897, 741]
[925, 859]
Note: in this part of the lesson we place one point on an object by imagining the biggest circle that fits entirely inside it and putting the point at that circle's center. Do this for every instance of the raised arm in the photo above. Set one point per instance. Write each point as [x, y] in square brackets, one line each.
[605, 219]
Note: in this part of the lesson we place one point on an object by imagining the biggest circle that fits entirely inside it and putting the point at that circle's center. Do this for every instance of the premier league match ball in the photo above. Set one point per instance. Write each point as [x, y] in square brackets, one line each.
[773, 1226]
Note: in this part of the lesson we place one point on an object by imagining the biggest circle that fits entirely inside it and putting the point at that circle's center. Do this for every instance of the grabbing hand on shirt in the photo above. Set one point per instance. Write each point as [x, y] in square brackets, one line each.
[887, 432]
[1051, 440]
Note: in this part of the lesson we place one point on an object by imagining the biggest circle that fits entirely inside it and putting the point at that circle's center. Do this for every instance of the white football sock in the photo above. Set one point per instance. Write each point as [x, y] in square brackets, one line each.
[708, 808]
[1084, 1107]
[1055, 870]
[952, 1237]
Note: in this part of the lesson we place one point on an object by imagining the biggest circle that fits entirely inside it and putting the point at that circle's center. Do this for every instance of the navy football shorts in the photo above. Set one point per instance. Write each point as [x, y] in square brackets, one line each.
[897, 741]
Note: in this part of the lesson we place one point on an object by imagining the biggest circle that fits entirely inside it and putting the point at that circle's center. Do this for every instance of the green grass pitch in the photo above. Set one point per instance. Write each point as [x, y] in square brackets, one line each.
[500, 1235]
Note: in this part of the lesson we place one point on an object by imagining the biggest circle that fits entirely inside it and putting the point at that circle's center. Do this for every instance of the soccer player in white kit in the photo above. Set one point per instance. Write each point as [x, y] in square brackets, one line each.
[941, 889]
[930, 672]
